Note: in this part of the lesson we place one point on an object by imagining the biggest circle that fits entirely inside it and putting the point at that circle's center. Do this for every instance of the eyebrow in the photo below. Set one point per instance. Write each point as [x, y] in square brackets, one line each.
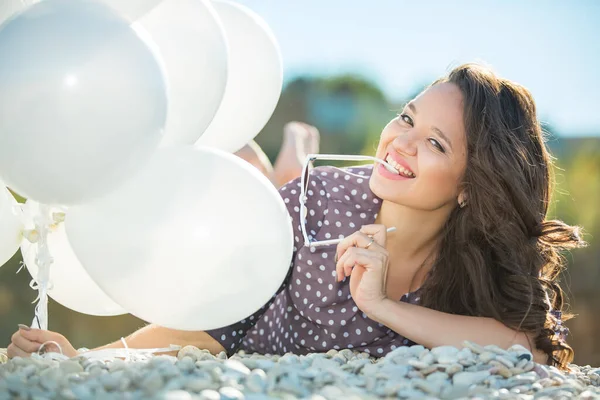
[433, 128]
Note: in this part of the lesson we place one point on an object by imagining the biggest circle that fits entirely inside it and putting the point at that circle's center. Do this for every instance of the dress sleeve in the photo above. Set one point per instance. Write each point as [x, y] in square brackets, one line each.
[231, 336]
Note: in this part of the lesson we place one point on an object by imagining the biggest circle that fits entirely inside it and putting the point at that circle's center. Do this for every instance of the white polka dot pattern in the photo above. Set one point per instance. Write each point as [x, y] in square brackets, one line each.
[311, 311]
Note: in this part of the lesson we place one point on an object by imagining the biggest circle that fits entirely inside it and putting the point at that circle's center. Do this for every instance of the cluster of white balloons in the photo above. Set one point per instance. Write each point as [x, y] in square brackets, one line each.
[124, 113]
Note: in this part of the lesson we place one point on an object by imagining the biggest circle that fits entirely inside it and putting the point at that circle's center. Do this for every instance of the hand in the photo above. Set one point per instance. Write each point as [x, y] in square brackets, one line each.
[28, 340]
[363, 257]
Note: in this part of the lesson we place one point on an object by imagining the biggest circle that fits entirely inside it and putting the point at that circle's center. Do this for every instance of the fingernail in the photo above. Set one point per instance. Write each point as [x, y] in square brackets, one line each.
[24, 327]
[335, 258]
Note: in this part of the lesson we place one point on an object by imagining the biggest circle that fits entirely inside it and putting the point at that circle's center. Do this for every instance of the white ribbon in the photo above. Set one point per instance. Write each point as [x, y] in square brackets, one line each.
[44, 260]
[127, 353]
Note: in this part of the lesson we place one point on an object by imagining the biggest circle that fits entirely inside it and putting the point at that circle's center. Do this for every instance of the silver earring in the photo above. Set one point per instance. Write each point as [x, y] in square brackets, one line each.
[462, 204]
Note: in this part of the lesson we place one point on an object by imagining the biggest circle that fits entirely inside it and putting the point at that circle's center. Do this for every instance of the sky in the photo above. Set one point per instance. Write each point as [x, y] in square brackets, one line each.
[552, 47]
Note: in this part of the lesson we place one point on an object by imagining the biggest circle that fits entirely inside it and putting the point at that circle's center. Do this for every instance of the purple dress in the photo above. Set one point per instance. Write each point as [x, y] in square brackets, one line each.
[311, 312]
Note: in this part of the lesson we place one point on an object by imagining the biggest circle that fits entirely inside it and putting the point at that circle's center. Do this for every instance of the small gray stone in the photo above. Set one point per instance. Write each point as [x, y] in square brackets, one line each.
[453, 369]
[229, 393]
[487, 356]
[418, 363]
[469, 378]
[109, 381]
[257, 381]
[189, 351]
[427, 358]
[152, 382]
[82, 392]
[209, 394]
[331, 392]
[70, 367]
[199, 384]
[186, 364]
[474, 347]
[437, 376]
[177, 395]
[432, 388]
[417, 350]
[68, 394]
[117, 365]
[265, 364]
[505, 361]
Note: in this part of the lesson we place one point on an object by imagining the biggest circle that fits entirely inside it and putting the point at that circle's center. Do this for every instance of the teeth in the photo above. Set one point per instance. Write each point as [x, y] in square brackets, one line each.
[403, 171]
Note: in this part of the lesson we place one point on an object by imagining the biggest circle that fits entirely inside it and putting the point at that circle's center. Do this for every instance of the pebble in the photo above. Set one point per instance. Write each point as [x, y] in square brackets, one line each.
[71, 367]
[469, 378]
[408, 372]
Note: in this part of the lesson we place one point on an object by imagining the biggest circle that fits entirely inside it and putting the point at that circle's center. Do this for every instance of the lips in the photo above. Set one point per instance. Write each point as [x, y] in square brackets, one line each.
[400, 165]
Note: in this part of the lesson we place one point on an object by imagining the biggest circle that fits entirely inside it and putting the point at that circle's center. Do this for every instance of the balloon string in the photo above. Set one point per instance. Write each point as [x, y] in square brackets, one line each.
[41, 349]
[127, 353]
[44, 259]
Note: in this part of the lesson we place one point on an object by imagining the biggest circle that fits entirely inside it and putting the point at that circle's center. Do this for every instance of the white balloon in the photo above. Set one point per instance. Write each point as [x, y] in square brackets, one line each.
[71, 285]
[10, 8]
[11, 225]
[133, 9]
[191, 41]
[254, 83]
[197, 240]
[82, 101]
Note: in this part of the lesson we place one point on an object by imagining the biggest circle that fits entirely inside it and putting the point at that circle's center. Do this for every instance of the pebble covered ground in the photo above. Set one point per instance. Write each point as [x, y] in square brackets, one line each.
[407, 372]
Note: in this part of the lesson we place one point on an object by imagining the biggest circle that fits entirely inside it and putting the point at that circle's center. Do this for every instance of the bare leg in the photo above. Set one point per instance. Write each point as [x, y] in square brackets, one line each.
[299, 140]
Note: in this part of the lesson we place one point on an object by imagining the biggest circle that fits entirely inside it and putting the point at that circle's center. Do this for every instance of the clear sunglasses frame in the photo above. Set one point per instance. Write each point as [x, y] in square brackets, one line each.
[304, 189]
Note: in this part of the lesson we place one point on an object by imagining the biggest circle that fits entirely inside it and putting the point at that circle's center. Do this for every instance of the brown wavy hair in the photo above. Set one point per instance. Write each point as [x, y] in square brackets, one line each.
[499, 256]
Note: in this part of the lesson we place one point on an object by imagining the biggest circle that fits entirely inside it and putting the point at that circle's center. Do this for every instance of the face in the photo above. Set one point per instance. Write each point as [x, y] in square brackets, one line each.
[427, 144]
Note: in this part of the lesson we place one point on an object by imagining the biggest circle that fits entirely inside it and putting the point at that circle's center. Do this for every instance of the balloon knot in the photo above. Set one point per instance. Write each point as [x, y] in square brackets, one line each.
[32, 235]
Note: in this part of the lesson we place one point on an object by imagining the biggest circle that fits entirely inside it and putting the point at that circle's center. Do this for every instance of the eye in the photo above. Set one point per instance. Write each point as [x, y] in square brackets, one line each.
[437, 144]
[405, 118]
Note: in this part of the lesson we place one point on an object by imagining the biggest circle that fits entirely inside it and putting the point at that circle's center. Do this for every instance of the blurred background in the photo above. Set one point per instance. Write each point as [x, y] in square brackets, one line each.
[350, 66]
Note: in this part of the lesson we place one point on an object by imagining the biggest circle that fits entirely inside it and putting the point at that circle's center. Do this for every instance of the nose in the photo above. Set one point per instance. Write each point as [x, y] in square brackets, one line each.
[406, 143]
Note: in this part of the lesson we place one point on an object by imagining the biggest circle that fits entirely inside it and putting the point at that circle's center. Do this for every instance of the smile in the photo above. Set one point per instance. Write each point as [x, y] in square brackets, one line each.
[401, 170]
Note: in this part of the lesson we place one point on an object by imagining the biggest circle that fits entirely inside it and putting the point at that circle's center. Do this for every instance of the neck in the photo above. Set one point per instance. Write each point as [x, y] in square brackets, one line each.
[414, 244]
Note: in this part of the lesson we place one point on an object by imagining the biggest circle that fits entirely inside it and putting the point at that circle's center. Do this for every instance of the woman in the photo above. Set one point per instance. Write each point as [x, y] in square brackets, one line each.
[472, 258]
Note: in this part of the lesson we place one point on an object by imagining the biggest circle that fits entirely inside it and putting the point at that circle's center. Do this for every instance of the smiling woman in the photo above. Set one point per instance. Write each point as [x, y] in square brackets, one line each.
[473, 256]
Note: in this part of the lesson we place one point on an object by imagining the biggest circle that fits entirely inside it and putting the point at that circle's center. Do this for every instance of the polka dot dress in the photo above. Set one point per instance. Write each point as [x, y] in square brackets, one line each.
[311, 312]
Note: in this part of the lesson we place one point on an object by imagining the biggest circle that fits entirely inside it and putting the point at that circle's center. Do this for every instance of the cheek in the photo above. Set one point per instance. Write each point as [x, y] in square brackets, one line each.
[387, 136]
[439, 177]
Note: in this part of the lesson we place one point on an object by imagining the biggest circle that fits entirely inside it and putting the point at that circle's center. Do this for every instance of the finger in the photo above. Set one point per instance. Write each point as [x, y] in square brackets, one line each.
[26, 345]
[377, 231]
[41, 336]
[357, 239]
[343, 268]
[13, 351]
[368, 259]
[339, 269]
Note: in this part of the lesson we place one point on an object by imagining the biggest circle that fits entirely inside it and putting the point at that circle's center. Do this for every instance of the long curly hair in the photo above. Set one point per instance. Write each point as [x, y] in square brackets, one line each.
[499, 256]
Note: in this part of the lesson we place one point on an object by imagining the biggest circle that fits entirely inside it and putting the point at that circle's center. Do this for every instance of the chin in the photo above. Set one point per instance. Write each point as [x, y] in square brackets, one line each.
[383, 189]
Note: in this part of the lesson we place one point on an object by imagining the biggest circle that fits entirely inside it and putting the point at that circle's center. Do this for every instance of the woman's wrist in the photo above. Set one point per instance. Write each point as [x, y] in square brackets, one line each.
[377, 311]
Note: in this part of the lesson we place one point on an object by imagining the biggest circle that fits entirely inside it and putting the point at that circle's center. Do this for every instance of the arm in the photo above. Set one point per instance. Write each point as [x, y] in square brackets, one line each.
[152, 336]
[27, 340]
[364, 258]
[434, 328]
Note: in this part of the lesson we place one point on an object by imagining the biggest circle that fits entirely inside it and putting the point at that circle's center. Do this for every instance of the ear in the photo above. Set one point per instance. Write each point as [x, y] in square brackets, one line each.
[462, 199]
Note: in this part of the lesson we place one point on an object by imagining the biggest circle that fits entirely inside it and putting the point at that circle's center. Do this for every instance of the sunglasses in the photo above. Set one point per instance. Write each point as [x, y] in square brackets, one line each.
[308, 240]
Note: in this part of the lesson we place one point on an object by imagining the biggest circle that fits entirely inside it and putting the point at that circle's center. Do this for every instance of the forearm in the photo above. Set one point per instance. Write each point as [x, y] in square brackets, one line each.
[434, 328]
[154, 336]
